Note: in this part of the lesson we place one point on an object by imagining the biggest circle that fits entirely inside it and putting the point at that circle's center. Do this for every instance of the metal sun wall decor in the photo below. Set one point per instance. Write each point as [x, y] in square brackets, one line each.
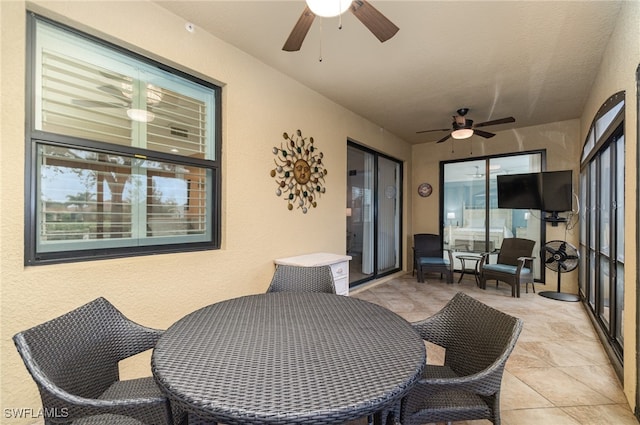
[299, 171]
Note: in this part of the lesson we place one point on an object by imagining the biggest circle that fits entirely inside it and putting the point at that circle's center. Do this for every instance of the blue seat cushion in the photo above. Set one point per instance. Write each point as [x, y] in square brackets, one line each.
[433, 261]
[504, 268]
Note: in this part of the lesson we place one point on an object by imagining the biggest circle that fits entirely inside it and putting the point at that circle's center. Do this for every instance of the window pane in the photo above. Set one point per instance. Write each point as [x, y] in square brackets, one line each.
[360, 224]
[605, 201]
[605, 291]
[388, 215]
[582, 270]
[89, 199]
[619, 200]
[604, 121]
[588, 146]
[593, 205]
[89, 91]
[592, 280]
[620, 303]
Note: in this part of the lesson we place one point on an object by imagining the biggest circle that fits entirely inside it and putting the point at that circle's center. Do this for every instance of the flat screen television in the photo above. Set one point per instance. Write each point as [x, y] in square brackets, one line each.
[519, 191]
[557, 191]
[549, 191]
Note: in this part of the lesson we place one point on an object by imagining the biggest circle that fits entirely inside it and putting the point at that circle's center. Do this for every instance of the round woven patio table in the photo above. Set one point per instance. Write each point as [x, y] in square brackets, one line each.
[288, 358]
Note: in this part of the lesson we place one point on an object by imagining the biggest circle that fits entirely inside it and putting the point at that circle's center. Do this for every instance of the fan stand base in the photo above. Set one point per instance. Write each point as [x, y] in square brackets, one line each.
[560, 296]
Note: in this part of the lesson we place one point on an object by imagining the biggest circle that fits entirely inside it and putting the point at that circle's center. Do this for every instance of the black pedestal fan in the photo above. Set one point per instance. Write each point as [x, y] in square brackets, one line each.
[561, 257]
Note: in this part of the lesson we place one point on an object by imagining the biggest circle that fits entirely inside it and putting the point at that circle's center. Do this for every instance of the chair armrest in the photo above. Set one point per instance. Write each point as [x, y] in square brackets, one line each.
[523, 263]
[448, 251]
[486, 382]
[432, 329]
[136, 339]
[484, 257]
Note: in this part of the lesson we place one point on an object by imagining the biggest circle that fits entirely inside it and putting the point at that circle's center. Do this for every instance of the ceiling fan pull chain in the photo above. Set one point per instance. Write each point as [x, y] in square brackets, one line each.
[320, 54]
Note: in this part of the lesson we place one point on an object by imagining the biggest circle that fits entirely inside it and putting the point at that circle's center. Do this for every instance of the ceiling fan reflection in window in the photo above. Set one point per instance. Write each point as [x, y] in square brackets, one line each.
[124, 91]
[375, 21]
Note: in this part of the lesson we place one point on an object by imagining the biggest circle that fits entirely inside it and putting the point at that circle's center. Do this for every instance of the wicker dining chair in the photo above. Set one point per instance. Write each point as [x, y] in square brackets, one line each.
[478, 340]
[74, 361]
[302, 279]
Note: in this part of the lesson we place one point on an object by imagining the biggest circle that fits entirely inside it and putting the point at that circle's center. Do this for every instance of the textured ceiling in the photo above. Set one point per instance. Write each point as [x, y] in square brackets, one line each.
[533, 60]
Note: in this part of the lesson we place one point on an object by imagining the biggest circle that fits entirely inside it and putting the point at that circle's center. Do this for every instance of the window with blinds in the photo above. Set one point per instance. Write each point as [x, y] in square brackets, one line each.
[123, 152]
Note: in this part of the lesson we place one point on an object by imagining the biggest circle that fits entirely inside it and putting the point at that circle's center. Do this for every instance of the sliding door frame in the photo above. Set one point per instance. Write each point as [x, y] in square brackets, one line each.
[375, 203]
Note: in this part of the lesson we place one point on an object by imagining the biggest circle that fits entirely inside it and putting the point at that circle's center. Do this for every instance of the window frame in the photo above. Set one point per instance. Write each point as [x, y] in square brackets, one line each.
[34, 138]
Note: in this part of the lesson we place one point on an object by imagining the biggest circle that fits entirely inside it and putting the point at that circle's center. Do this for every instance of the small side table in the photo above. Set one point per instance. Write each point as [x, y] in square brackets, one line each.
[471, 258]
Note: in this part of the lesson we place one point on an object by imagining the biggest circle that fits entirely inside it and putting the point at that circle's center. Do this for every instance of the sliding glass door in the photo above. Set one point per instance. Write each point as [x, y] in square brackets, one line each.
[373, 214]
[472, 223]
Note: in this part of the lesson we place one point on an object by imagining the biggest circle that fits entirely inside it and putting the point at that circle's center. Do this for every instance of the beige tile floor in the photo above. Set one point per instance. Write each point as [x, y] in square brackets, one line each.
[558, 373]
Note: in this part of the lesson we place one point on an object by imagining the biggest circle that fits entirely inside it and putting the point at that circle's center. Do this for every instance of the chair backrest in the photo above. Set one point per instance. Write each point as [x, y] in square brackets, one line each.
[302, 279]
[427, 245]
[79, 351]
[475, 335]
[513, 248]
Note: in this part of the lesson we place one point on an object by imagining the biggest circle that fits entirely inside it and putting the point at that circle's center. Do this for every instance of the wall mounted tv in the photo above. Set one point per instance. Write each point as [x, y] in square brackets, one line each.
[519, 191]
[549, 191]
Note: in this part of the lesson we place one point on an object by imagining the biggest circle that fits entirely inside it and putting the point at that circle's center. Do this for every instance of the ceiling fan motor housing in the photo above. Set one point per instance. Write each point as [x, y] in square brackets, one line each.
[467, 124]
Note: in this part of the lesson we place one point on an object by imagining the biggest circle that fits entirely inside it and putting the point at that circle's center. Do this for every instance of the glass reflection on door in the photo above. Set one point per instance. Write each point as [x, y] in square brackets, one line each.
[472, 222]
[360, 213]
[373, 214]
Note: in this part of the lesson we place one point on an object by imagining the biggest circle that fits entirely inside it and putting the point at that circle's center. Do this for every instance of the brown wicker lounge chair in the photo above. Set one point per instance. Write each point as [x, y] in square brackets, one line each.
[513, 266]
[428, 256]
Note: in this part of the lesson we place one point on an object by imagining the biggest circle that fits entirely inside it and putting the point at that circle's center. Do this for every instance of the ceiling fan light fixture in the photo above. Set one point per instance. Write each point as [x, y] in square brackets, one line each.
[140, 115]
[154, 93]
[328, 8]
[462, 133]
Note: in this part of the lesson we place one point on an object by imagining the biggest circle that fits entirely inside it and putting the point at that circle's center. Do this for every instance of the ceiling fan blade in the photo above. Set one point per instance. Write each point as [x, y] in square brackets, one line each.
[444, 139]
[375, 21]
[496, 122]
[484, 134]
[112, 90]
[437, 129]
[299, 31]
[96, 104]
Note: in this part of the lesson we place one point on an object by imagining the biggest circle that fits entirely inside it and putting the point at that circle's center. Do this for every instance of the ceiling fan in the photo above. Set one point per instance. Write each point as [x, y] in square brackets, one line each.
[375, 21]
[477, 174]
[463, 128]
[122, 93]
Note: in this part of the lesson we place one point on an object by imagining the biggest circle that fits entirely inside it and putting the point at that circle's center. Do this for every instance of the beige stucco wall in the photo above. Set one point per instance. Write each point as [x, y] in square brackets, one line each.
[618, 73]
[561, 140]
[259, 104]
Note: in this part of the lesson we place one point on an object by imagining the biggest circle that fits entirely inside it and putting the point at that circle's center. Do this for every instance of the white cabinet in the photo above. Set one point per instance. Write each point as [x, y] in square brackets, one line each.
[339, 266]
